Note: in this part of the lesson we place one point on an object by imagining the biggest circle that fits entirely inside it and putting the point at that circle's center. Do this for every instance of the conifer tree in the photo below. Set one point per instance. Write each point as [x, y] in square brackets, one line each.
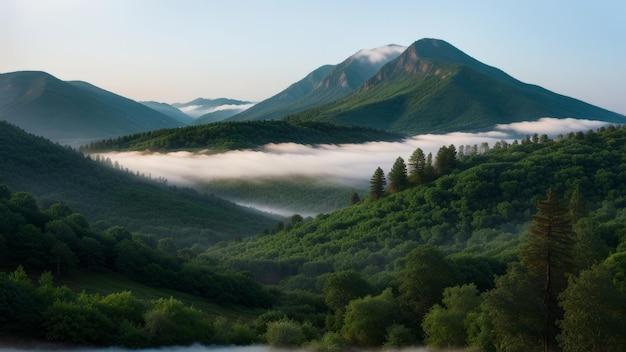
[417, 165]
[398, 179]
[377, 184]
[550, 256]
[445, 161]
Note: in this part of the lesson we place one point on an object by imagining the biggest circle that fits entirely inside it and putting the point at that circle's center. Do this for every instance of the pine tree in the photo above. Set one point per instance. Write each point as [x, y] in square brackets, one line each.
[398, 179]
[550, 255]
[417, 165]
[377, 184]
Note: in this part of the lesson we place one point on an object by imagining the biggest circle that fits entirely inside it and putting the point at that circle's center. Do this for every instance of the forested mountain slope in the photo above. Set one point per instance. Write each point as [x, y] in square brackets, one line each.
[483, 208]
[115, 197]
[434, 87]
[242, 135]
[323, 85]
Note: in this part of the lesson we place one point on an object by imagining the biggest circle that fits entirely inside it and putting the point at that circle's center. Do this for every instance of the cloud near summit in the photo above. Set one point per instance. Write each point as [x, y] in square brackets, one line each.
[381, 54]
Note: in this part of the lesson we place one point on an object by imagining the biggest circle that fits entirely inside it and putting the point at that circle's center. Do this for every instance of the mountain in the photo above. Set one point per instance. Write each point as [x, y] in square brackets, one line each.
[434, 87]
[72, 112]
[201, 106]
[216, 116]
[170, 111]
[325, 84]
[113, 196]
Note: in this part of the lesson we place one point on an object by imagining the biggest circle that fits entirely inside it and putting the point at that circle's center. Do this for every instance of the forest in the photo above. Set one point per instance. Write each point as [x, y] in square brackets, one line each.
[223, 136]
[514, 247]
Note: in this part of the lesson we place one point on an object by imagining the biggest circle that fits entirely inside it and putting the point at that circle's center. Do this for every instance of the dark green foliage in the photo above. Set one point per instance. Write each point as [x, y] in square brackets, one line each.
[377, 184]
[284, 333]
[422, 281]
[242, 135]
[595, 308]
[444, 325]
[367, 319]
[417, 167]
[52, 174]
[516, 310]
[398, 178]
[550, 256]
[445, 161]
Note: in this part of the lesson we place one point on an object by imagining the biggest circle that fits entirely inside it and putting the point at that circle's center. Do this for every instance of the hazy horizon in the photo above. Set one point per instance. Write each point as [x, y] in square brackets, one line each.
[178, 51]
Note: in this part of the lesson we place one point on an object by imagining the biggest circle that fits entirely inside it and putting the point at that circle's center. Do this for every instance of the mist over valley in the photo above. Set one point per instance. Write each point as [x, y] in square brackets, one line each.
[345, 165]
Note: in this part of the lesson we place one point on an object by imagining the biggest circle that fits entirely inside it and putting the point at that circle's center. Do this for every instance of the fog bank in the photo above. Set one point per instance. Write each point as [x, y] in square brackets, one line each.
[351, 164]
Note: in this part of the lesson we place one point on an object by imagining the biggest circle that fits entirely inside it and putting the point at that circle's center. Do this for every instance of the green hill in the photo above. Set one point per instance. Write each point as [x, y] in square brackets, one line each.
[242, 135]
[482, 208]
[434, 87]
[72, 113]
[115, 197]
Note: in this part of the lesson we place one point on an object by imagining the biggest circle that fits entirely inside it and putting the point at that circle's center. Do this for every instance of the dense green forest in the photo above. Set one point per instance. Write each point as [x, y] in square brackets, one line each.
[109, 196]
[518, 248]
[42, 245]
[472, 217]
[241, 135]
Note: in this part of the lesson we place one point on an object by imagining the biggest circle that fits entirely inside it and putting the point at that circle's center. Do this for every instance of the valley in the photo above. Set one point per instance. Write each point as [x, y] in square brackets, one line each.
[407, 196]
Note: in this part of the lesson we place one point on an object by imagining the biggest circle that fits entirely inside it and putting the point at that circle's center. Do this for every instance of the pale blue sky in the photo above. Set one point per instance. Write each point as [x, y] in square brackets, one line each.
[175, 51]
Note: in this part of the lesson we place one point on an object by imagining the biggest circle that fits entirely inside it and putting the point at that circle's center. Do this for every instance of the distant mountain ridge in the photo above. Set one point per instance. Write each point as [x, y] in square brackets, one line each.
[325, 84]
[201, 107]
[433, 87]
[72, 112]
[169, 110]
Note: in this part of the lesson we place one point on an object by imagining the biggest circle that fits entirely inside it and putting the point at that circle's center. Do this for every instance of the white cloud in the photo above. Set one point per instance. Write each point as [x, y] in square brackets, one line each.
[552, 126]
[381, 54]
[351, 164]
[196, 111]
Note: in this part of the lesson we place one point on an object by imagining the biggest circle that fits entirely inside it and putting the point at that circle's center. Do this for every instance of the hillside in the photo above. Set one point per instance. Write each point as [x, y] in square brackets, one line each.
[434, 87]
[72, 113]
[118, 288]
[169, 110]
[108, 196]
[482, 208]
[323, 85]
[241, 135]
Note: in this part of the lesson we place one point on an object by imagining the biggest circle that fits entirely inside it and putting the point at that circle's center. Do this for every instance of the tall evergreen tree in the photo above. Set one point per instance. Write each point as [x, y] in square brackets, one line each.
[550, 256]
[398, 179]
[377, 184]
[416, 168]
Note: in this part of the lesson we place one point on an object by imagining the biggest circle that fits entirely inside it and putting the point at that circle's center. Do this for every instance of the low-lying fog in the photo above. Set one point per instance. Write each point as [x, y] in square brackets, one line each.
[351, 164]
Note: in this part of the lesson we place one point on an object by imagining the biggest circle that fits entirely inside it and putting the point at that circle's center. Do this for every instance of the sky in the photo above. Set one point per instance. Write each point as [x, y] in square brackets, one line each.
[176, 51]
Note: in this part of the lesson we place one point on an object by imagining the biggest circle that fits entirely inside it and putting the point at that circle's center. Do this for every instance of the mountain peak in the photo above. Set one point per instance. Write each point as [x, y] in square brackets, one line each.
[381, 54]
